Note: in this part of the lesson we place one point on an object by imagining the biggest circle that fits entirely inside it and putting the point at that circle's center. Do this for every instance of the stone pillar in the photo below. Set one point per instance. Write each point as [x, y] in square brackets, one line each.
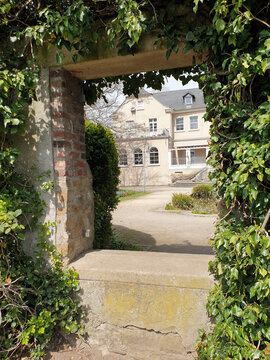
[73, 182]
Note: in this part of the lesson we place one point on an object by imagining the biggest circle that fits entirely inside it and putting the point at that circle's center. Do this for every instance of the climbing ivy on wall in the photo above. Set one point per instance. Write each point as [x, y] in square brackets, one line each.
[236, 84]
[234, 77]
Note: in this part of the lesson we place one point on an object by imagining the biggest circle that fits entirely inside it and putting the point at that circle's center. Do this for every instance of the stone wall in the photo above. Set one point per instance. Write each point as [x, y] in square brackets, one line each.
[150, 307]
[36, 152]
[74, 200]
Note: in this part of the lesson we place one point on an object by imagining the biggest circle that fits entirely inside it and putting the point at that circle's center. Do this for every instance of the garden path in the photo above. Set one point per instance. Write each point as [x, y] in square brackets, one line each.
[144, 221]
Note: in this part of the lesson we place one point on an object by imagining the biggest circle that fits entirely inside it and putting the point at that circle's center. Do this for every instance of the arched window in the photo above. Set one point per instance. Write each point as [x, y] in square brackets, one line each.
[123, 160]
[138, 157]
[153, 156]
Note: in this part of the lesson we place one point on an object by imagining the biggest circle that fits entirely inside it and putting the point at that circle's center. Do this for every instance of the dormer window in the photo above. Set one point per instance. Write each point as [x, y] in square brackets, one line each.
[188, 99]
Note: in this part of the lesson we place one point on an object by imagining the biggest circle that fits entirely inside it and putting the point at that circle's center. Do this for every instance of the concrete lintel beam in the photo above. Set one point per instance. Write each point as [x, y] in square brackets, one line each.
[121, 65]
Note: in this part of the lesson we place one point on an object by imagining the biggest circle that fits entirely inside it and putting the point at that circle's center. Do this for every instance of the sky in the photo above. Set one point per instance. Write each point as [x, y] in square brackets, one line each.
[172, 84]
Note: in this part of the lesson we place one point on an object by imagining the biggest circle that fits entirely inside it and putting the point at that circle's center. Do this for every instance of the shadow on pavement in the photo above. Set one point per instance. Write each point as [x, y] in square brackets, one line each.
[186, 248]
[134, 237]
[148, 243]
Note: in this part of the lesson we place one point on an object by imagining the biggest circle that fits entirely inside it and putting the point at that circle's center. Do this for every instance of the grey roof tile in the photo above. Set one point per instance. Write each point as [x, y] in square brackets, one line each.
[175, 99]
[142, 91]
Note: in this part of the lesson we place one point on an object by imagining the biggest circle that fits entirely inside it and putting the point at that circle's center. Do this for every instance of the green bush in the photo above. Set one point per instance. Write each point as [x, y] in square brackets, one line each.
[202, 191]
[182, 201]
[170, 207]
[102, 157]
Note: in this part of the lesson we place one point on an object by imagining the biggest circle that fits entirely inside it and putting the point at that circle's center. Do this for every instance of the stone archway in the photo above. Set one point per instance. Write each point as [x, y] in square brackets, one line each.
[60, 105]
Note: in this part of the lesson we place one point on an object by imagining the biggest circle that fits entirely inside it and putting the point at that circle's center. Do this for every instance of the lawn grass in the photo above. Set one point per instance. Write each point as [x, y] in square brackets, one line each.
[130, 194]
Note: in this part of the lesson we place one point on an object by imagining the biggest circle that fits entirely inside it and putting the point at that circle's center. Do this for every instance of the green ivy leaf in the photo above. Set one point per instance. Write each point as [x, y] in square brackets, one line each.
[266, 64]
[220, 25]
[59, 57]
[189, 36]
[263, 272]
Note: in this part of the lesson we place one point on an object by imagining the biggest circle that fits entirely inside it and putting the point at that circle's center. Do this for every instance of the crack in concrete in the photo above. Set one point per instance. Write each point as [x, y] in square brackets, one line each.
[151, 330]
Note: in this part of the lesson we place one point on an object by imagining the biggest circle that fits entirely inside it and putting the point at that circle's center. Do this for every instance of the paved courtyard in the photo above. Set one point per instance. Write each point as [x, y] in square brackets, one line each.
[144, 221]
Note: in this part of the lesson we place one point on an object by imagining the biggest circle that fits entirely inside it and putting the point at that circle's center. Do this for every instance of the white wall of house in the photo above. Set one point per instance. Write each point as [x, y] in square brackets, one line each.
[181, 137]
[156, 173]
[187, 133]
[135, 114]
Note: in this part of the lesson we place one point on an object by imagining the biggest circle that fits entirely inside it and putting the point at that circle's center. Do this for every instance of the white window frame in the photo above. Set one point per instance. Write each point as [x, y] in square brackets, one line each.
[192, 117]
[136, 153]
[121, 153]
[180, 118]
[153, 150]
[152, 125]
[188, 97]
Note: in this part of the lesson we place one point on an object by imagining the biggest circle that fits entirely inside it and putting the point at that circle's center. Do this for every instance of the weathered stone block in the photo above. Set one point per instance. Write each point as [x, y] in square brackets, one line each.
[149, 307]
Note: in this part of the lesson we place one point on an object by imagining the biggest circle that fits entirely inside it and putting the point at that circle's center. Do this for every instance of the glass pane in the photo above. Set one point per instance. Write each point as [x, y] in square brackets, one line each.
[152, 125]
[154, 159]
[188, 99]
[179, 124]
[193, 120]
[138, 157]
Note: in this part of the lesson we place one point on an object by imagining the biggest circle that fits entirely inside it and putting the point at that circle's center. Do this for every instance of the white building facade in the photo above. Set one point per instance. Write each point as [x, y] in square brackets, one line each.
[162, 137]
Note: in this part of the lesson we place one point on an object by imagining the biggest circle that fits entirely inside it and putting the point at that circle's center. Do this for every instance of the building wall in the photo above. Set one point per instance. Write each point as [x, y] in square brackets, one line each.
[132, 175]
[133, 122]
[187, 134]
[151, 109]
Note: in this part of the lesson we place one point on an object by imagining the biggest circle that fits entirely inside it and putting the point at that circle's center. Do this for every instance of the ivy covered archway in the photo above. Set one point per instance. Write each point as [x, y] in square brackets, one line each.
[235, 81]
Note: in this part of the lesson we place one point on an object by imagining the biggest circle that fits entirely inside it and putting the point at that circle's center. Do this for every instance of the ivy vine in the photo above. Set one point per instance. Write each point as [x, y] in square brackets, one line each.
[235, 80]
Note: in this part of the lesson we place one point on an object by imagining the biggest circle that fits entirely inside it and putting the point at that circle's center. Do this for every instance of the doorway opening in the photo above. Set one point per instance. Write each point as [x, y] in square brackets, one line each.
[157, 158]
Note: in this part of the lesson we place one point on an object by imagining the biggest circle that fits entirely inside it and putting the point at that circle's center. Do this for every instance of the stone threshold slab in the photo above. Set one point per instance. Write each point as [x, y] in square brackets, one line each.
[154, 268]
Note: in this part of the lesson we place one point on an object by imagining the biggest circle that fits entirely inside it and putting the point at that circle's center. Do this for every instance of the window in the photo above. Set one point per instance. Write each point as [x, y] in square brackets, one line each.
[188, 99]
[123, 160]
[140, 105]
[153, 125]
[192, 156]
[179, 124]
[138, 157]
[153, 156]
[193, 123]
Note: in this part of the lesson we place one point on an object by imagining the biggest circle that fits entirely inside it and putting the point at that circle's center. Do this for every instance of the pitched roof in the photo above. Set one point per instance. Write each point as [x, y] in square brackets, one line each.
[175, 99]
[142, 91]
